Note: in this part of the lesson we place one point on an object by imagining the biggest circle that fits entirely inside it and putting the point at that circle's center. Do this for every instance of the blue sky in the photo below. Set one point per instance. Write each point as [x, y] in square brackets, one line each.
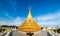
[47, 12]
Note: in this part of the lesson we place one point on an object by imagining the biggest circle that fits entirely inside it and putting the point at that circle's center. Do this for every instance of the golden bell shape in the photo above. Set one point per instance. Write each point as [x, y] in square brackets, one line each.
[29, 25]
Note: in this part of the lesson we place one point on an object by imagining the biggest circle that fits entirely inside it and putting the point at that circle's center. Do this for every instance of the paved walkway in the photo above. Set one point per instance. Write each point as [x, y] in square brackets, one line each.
[41, 33]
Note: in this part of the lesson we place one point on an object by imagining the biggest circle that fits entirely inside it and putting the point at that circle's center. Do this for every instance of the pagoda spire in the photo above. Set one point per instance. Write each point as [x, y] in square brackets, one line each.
[29, 17]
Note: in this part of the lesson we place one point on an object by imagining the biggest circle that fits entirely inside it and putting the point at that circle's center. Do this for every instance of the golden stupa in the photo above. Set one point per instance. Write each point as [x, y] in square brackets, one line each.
[29, 25]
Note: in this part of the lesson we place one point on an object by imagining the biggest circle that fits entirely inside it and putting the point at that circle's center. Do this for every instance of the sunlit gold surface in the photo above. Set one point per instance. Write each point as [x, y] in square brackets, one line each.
[29, 25]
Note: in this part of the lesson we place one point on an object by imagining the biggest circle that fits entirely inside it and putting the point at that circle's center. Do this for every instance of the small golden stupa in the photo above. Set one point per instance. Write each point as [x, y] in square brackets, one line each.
[29, 25]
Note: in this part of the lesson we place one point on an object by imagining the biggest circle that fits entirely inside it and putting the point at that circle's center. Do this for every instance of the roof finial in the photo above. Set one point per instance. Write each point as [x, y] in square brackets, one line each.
[29, 14]
[29, 9]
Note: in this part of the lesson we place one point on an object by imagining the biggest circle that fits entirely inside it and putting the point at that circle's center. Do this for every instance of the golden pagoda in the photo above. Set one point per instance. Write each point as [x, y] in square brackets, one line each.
[29, 25]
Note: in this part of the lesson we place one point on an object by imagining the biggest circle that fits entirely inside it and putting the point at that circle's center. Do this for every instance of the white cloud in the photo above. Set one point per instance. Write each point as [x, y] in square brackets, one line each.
[3, 23]
[12, 21]
[52, 20]
[18, 21]
[7, 15]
